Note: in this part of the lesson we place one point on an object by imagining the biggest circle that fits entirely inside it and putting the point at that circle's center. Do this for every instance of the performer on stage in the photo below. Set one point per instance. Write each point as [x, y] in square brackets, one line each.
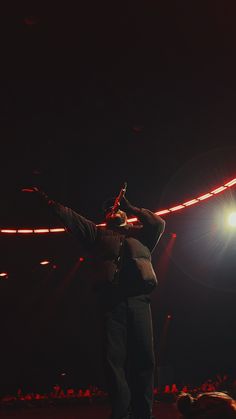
[124, 254]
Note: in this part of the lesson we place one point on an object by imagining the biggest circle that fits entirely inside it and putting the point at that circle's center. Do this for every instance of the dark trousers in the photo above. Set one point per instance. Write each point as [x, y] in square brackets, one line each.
[130, 357]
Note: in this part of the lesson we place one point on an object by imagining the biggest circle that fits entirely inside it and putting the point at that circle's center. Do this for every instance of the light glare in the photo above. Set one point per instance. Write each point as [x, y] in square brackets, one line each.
[232, 219]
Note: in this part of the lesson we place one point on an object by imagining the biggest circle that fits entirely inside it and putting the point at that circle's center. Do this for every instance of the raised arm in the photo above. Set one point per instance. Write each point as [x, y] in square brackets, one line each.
[84, 230]
[152, 225]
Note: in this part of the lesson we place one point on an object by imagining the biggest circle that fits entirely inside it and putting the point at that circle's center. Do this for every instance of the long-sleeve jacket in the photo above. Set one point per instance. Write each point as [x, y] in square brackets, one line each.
[123, 254]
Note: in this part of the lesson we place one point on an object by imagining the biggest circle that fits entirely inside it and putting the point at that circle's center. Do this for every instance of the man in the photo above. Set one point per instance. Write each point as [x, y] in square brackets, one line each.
[125, 280]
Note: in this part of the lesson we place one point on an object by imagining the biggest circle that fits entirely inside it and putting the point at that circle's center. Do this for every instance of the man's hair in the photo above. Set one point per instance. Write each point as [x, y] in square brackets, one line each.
[212, 405]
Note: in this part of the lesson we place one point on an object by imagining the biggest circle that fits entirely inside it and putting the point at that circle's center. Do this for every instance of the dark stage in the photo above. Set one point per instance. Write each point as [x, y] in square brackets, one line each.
[99, 411]
[93, 95]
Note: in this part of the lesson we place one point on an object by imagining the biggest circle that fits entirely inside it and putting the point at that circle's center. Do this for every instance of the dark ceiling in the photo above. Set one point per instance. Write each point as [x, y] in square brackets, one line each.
[97, 94]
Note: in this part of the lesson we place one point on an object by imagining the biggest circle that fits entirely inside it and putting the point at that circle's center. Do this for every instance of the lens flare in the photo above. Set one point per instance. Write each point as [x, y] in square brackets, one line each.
[232, 219]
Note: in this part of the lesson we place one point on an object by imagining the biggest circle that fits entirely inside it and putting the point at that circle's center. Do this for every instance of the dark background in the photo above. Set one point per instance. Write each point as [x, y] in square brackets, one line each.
[92, 96]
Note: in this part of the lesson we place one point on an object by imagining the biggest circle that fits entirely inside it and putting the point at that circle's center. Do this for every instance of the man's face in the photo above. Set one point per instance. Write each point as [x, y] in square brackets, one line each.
[119, 218]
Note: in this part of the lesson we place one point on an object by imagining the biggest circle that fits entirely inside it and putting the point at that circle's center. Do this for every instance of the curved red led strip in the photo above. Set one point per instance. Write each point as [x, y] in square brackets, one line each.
[32, 230]
[161, 212]
[198, 199]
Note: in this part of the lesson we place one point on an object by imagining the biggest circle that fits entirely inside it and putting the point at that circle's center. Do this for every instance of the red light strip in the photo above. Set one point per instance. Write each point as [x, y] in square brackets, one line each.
[32, 231]
[192, 202]
[202, 197]
[178, 207]
[218, 190]
[162, 212]
[230, 183]
[198, 199]
[25, 231]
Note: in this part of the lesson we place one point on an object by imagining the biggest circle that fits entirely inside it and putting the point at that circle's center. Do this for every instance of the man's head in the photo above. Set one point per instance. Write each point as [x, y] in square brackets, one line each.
[116, 219]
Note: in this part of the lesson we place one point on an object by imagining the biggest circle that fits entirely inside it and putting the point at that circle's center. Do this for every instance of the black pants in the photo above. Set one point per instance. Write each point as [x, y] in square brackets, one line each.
[130, 357]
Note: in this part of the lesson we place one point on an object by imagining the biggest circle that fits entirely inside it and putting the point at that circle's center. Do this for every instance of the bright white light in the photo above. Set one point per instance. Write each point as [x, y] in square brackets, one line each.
[232, 219]
[44, 262]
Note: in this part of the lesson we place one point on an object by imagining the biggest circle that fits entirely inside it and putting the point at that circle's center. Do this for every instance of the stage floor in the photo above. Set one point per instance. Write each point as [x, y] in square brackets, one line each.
[94, 411]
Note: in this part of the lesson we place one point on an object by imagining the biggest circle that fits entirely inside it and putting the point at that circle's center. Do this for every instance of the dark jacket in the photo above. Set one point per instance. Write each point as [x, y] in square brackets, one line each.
[122, 255]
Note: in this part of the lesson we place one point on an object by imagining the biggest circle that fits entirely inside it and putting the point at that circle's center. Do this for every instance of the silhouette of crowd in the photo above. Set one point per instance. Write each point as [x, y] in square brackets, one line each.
[214, 398]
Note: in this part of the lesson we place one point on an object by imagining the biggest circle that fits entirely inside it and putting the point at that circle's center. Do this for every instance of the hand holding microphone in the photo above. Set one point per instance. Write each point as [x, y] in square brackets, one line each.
[119, 198]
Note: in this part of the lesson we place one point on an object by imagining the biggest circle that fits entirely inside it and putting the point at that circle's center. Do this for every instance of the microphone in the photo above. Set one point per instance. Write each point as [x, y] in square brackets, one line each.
[119, 198]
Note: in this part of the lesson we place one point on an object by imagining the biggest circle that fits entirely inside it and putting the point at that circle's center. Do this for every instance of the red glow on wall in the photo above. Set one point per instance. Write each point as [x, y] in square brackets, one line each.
[165, 257]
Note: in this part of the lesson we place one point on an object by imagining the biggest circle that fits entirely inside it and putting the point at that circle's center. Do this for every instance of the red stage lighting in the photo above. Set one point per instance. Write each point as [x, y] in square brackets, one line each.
[192, 202]
[161, 212]
[27, 190]
[165, 211]
[231, 182]
[176, 208]
[218, 190]
[25, 231]
[202, 197]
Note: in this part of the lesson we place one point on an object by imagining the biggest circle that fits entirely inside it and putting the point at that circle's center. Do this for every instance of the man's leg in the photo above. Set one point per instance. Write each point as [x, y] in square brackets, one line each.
[141, 356]
[116, 358]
